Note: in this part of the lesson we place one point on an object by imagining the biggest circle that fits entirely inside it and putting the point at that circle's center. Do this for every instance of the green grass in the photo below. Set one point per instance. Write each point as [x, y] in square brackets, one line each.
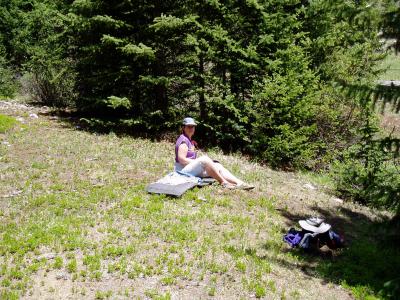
[392, 66]
[6, 123]
[82, 197]
[72, 266]
[58, 263]
[100, 295]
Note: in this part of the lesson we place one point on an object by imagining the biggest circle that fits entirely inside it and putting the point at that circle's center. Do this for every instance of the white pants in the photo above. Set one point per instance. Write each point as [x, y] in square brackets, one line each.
[195, 167]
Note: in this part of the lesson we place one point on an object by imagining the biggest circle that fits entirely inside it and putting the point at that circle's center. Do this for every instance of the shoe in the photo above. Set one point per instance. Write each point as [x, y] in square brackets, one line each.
[228, 186]
[244, 186]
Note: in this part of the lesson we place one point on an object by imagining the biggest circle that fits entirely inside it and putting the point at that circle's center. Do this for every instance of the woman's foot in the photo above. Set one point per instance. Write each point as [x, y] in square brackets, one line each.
[244, 186]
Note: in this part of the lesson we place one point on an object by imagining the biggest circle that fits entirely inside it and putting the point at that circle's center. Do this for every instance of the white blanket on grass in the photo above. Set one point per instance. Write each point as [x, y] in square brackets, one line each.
[175, 178]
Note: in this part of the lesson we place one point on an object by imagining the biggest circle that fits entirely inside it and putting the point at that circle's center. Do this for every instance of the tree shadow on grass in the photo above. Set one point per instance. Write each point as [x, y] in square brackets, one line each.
[84, 121]
[153, 128]
[369, 265]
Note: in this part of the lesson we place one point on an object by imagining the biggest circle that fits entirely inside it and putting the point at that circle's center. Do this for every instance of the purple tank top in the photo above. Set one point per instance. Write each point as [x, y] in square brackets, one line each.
[184, 139]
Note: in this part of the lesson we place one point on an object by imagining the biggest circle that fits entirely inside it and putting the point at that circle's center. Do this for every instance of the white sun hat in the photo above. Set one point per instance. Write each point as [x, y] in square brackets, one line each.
[189, 121]
[316, 225]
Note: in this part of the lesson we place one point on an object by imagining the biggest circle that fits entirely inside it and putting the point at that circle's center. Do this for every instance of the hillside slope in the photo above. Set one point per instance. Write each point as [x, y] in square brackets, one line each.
[77, 223]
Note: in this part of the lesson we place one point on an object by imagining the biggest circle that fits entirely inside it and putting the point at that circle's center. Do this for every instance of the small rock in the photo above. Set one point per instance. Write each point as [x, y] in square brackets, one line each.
[338, 200]
[6, 143]
[12, 194]
[20, 119]
[92, 158]
[47, 256]
[34, 116]
[202, 198]
[61, 275]
[309, 186]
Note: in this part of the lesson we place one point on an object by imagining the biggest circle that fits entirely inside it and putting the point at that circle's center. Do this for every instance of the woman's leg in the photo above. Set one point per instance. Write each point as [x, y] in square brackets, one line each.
[197, 167]
[213, 170]
[228, 176]
[217, 171]
[214, 173]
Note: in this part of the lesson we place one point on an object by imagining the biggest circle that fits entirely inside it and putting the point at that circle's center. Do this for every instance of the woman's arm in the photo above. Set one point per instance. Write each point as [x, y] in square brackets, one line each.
[182, 152]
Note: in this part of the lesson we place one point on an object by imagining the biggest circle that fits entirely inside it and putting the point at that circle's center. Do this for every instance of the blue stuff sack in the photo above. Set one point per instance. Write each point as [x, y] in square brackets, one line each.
[293, 237]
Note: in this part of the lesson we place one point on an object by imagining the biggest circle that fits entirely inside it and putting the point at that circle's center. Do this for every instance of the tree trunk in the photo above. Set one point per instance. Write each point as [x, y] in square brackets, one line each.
[202, 101]
[160, 90]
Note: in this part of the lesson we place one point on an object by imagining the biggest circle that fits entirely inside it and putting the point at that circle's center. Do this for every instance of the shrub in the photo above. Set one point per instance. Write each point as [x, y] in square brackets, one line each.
[373, 180]
[8, 84]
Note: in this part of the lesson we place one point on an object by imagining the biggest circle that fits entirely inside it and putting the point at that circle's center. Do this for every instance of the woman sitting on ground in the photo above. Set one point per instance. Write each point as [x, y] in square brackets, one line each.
[186, 160]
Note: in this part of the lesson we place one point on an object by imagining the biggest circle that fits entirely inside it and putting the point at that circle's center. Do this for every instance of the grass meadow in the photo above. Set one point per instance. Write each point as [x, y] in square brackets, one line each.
[391, 65]
[77, 223]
